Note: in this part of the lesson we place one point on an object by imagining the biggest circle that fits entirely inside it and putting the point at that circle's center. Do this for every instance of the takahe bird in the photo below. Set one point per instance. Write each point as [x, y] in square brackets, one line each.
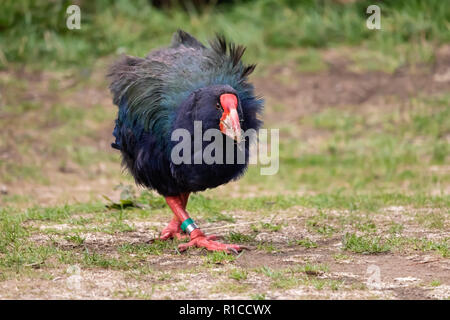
[168, 90]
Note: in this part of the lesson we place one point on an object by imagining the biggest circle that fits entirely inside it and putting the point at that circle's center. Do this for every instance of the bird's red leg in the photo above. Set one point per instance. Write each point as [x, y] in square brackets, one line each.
[198, 238]
[173, 229]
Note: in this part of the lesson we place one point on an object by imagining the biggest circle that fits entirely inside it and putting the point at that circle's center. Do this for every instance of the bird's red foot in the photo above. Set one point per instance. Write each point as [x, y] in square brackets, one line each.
[198, 239]
[172, 231]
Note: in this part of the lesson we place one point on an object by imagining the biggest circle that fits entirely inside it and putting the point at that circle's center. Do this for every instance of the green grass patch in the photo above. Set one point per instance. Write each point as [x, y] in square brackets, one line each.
[267, 247]
[157, 248]
[33, 32]
[364, 244]
[218, 257]
[258, 296]
[238, 237]
[313, 269]
[238, 274]
[76, 239]
[435, 283]
[307, 243]
[94, 259]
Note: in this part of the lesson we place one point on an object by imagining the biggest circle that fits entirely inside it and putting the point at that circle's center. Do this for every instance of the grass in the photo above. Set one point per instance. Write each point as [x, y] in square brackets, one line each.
[442, 247]
[285, 283]
[320, 284]
[269, 272]
[266, 226]
[18, 251]
[364, 244]
[268, 247]
[341, 257]
[307, 243]
[238, 274]
[313, 269]
[258, 296]
[155, 248]
[382, 149]
[97, 212]
[310, 61]
[435, 283]
[76, 239]
[238, 237]
[94, 259]
[230, 288]
[396, 228]
[111, 27]
[305, 275]
[431, 220]
[218, 257]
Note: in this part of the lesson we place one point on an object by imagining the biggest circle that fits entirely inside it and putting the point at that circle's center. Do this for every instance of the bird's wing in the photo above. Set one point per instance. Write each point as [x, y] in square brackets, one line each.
[137, 86]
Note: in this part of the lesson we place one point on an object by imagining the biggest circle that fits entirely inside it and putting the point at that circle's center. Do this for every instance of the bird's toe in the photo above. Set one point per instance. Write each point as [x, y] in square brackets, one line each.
[208, 243]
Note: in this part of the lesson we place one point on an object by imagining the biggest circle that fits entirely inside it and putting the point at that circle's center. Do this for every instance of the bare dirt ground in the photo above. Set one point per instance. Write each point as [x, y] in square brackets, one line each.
[277, 266]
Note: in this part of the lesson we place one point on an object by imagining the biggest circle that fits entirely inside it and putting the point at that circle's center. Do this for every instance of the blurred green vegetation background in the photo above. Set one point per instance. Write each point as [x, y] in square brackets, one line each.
[34, 31]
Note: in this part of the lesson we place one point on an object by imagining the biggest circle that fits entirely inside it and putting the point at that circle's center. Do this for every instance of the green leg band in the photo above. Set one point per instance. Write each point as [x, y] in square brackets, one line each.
[188, 225]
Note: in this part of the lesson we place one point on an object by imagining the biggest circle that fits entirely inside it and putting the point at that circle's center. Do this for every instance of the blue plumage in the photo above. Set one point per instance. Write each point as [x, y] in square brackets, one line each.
[170, 89]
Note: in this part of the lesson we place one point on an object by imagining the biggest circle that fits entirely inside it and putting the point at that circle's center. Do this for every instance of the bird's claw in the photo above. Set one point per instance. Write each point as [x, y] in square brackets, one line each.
[213, 237]
[172, 235]
[208, 243]
[172, 231]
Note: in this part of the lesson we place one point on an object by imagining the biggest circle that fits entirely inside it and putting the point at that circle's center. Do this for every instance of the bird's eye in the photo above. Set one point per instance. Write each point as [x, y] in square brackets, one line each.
[218, 106]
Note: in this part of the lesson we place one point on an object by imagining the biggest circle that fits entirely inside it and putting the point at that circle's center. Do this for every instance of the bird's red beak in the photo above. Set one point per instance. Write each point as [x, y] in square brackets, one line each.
[229, 123]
